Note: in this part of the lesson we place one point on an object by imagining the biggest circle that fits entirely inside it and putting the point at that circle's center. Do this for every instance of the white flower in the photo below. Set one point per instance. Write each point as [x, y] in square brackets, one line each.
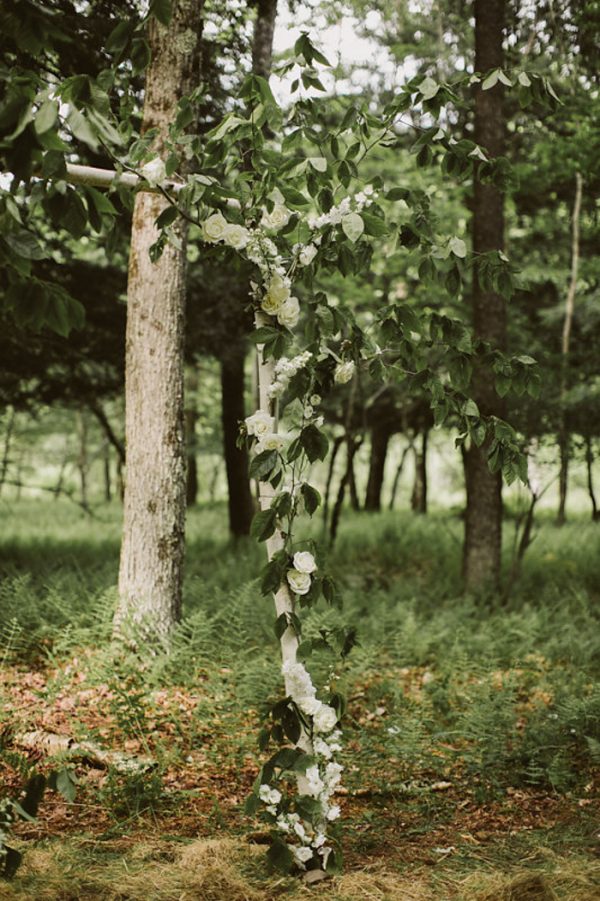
[304, 562]
[308, 411]
[302, 855]
[289, 312]
[278, 291]
[298, 681]
[269, 795]
[321, 748]
[154, 172]
[300, 830]
[298, 582]
[307, 255]
[236, 236]
[269, 442]
[214, 228]
[315, 400]
[309, 705]
[270, 305]
[283, 824]
[314, 784]
[260, 424]
[277, 218]
[333, 812]
[333, 774]
[325, 719]
[319, 840]
[343, 372]
[319, 421]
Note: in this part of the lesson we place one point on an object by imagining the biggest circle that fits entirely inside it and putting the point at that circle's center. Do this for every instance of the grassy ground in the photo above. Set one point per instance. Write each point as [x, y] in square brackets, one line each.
[472, 740]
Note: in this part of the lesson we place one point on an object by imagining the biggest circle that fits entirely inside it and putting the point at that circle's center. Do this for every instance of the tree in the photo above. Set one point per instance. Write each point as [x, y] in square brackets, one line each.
[483, 515]
[152, 549]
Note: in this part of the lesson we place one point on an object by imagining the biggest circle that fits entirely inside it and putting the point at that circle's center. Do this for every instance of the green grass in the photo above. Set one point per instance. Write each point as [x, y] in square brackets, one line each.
[486, 697]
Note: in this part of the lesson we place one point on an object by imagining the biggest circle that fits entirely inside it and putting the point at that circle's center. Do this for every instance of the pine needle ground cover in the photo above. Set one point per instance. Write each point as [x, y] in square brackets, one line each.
[472, 738]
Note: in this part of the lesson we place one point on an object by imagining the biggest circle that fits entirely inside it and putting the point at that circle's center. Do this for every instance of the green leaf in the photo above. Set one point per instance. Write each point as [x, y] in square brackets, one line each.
[263, 464]
[470, 408]
[353, 226]
[428, 88]
[374, 225]
[491, 80]
[311, 496]
[314, 442]
[46, 117]
[82, 129]
[66, 784]
[120, 36]
[263, 525]
[279, 856]
[318, 162]
[161, 10]
[458, 247]
[24, 244]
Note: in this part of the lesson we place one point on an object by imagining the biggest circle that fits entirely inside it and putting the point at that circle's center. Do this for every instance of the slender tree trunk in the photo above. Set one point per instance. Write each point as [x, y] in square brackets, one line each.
[61, 476]
[351, 448]
[483, 520]
[82, 457]
[106, 471]
[418, 500]
[397, 475]
[380, 437]
[354, 498]
[240, 503]
[564, 439]
[589, 462]
[7, 442]
[191, 442]
[150, 575]
[337, 443]
[108, 430]
[262, 42]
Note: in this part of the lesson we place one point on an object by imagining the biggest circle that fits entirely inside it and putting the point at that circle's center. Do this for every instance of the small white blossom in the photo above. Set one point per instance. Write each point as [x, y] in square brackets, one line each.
[343, 372]
[333, 812]
[314, 784]
[302, 855]
[315, 400]
[154, 172]
[300, 830]
[321, 748]
[269, 795]
[304, 562]
[298, 582]
[307, 255]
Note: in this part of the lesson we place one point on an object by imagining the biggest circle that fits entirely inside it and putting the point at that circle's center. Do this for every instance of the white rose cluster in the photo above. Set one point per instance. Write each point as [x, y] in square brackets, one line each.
[216, 229]
[260, 426]
[299, 578]
[285, 370]
[347, 205]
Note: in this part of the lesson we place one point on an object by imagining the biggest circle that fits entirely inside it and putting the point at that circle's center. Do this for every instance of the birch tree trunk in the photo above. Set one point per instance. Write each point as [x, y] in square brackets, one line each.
[150, 574]
[483, 519]
[563, 431]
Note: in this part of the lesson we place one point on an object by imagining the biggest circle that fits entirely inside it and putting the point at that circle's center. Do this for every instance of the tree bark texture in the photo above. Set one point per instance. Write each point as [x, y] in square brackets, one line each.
[564, 439]
[380, 437]
[240, 503]
[150, 575]
[589, 464]
[483, 520]
[262, 43]
[418, 500]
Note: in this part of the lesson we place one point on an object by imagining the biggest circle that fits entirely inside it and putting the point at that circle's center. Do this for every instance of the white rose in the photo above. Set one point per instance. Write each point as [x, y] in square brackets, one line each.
[309, 705]
[270, 442]
[236, 236]
[304, 562]
[302, 855]
[298, 582]
[343, 372]
[277, 218]
[260, 424]
[307, 255]
[214, 228]
[289, 312]
[333, 812]
[321, 748]
[325, 719]
[279, 288]
[154, 172]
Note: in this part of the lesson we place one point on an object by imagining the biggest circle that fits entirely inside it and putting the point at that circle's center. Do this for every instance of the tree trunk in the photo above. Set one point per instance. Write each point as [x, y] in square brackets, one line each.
[7, 441]
[106, 471]
[351, 448]
[150, 574]
[262, 41]
[589, 462]
[399, 470]
[337, 443]
[418, 500]
[380, 437]
[564, 439]
[191, 442]
[240, 504]
[82, 457]
[483, 520]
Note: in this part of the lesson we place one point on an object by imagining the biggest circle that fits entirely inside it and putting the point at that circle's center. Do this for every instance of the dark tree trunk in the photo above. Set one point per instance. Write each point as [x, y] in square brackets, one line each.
[262, 43]
[337, 443]
[106, 471]
[380, 437]
[418, 500]
[564, 449]
[483, 519]
[82, 457]
[6, 452]
[354, 498]
[399, 470]
[589, 462]
[241, 507]
[351, 449]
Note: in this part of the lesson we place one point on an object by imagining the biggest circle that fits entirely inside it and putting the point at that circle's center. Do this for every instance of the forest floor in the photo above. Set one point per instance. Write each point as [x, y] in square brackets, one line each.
[472, 741]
